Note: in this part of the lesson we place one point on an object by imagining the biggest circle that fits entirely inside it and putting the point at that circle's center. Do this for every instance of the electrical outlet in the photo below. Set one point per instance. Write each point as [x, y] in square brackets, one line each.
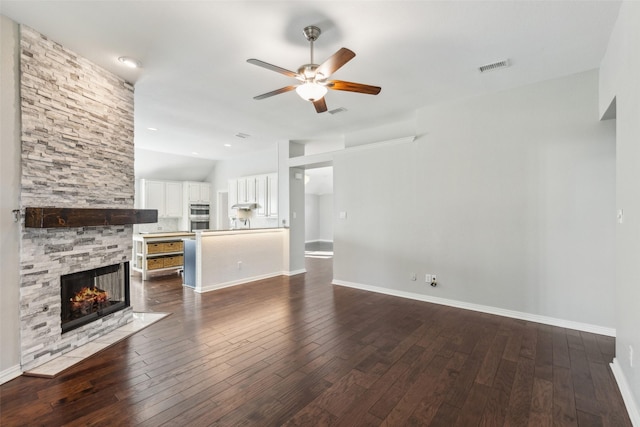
[414, 277]
[427, 278]
[239, 265]
[631, 356]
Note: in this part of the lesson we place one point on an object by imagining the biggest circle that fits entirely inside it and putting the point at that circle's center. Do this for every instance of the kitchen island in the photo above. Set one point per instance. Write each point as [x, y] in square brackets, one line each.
[158, 252]
[219, 259]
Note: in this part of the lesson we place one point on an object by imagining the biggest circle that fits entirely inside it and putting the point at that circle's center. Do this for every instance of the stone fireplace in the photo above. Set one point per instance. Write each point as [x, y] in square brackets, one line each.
[77, 152]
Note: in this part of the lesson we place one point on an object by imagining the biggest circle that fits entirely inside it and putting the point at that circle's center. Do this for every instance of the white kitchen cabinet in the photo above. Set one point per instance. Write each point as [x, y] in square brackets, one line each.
[232, 198]
[153, 193]
[165, 196]
[267, 195]
[259, 189]
[261, 195]
[173, 204]
[198, 192]
[247, 189]
[272, 194]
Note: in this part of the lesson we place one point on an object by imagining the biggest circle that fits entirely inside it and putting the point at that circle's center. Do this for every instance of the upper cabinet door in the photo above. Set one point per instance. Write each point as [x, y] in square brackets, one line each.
[261, 195]
[251, 189]
[165, 196]
[199, 192]
[242, 190]
[173, 199]
[233, 196]
[205, 192]
[272, 191]
[247, 189]
[194, 192]
[154, 195]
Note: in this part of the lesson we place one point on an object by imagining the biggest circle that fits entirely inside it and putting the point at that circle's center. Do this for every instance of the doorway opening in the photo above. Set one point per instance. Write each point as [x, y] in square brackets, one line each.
[319, 212]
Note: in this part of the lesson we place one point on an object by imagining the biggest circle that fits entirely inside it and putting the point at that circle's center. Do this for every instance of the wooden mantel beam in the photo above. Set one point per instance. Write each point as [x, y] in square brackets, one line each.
[86, 217]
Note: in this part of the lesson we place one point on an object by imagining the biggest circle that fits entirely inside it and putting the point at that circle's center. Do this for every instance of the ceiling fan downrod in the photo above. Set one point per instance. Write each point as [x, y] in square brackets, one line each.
[312, 33]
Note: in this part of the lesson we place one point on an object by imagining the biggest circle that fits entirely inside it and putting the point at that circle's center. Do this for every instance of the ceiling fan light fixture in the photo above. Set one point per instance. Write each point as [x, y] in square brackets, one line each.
[311, 91]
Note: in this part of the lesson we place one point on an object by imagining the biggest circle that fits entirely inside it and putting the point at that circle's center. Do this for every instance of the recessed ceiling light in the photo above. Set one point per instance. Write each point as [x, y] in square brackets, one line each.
[130, 62]
[152, 129]
[195, 154]
[227, 145]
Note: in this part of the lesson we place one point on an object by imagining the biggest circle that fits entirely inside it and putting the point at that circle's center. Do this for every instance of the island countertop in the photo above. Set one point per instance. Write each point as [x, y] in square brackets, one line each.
[163, 235]
[207, 233]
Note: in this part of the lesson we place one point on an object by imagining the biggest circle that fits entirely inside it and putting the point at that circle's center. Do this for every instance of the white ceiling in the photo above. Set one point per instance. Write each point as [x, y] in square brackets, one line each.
[197, 88]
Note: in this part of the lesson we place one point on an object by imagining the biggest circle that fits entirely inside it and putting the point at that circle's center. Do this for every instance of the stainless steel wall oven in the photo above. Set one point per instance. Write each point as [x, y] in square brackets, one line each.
[199, 216]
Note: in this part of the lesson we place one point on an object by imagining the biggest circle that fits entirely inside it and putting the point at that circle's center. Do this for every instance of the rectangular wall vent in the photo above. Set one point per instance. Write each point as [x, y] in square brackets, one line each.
[495, 66]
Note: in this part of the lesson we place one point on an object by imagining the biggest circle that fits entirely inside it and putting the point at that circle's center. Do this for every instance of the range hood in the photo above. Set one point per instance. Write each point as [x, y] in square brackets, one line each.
[245, 206]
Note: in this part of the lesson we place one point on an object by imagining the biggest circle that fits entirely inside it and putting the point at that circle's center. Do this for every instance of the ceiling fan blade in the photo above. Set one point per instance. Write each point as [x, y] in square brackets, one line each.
[272, 67]
[353, 87]
[334, 62]
[321, 105]
[275, 92]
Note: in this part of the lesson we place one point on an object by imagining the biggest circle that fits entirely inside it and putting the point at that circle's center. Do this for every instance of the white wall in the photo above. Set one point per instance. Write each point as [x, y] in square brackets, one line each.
[619, 78]
[311, 230]
[9, 200]
[171, 167]
[325, 217]
[508, 198]
[250, 164]
[318, 217]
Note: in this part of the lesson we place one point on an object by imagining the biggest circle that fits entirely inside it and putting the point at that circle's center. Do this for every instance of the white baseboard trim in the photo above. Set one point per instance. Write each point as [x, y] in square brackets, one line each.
[214, 287]
[569, 324]
[294, 272]
[10, 373]
[625, 391]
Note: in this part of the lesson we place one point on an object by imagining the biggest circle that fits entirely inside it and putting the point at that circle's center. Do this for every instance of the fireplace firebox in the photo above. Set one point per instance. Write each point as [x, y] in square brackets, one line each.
[89, 295]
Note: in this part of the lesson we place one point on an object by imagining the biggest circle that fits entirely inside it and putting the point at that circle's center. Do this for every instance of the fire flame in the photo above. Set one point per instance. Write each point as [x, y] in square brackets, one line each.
[87, 297]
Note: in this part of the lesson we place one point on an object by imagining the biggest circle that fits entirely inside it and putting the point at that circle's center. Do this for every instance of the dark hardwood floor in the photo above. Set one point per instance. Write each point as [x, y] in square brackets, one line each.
[299, 351]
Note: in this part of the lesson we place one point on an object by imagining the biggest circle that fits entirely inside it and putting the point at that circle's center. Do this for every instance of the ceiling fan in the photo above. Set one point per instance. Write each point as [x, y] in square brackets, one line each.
[314, 78]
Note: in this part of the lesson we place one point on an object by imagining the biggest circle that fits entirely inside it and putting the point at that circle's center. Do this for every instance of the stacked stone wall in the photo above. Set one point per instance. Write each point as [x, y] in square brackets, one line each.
[77, 151]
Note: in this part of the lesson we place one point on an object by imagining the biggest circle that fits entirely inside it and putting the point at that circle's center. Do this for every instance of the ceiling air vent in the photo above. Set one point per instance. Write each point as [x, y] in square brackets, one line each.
[495, 66]
[337, 110]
